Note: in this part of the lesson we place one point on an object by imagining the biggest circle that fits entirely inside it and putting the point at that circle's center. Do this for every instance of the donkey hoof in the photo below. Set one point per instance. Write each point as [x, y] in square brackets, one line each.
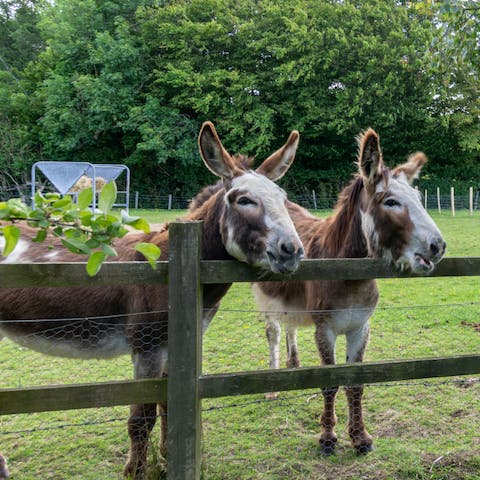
[364, 449]
[328, 447]
[130, 472]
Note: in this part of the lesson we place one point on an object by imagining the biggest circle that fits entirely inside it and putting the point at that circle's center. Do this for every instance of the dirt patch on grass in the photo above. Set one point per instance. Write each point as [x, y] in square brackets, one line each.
[474, 325]
[452, 466]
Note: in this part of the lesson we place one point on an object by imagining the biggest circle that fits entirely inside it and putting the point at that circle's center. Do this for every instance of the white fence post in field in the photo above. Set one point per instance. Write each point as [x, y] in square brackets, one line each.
[314, 200]
[470, 200]
[452, 200]
[170, 197]
[426, 198]
[439, 205]
[136, 199]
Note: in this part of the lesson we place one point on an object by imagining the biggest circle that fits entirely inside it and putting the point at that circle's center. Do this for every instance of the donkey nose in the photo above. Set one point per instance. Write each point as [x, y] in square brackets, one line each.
[438, 247]
[287, 247]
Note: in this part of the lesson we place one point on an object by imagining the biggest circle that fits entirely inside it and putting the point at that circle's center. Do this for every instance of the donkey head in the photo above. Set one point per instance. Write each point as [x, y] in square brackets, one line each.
[394, 222]
[255, 225]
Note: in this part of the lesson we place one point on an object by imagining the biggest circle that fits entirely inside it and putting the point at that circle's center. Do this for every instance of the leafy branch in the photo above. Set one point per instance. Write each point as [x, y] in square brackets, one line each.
[81, 230]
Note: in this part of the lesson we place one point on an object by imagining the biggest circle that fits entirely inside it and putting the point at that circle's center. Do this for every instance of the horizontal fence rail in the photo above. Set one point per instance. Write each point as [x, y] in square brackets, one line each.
[25, 275]
[88, 395]
[108, 394]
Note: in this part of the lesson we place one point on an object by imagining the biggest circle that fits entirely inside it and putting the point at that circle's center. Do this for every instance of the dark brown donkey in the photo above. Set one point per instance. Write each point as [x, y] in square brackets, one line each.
[246, 220]
[379, 215]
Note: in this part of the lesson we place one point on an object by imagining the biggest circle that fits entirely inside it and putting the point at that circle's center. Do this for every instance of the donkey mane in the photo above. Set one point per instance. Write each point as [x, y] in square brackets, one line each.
[343, 237]
[205, 194]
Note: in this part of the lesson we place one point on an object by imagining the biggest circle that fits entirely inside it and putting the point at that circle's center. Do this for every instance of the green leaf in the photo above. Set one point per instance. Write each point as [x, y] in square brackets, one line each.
[107, 197]
[58, 231]
[39, 199]
[63, 202]
[86, 218]
[40, 237]
[127, 218]
[94, 263]
[11, 234]
[4, 211]
[135, 222]
[92, 243]
[150, 251]
[17, 208]
[76, 246]
[85, 198]
[110, 251]
[141, 224]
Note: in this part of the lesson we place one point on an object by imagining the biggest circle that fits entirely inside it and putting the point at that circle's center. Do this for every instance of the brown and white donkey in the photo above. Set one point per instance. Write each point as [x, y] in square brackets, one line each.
[246, 220]
[378, 215]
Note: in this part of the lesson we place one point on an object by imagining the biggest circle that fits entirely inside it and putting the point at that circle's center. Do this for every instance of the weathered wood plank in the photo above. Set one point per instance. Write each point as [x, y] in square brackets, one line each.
[13, 275]
[333, 269]
[90, 395]
[185, 352]
[262, 381]
[134, 273]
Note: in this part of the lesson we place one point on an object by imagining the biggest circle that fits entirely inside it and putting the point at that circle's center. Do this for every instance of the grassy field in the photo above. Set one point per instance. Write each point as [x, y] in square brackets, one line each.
[422, 430]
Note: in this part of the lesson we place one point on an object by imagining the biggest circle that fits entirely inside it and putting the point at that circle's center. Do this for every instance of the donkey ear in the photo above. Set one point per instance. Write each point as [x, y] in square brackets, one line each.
[370, 161]
[277, 164]
[412, 168]
[214, 155]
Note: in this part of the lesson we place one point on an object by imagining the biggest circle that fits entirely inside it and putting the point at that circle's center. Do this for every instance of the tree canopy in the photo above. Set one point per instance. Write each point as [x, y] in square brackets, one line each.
[131, 82]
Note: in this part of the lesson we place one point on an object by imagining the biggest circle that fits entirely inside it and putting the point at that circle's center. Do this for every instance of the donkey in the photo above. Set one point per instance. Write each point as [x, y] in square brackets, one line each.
[246, 220]
[378, 215]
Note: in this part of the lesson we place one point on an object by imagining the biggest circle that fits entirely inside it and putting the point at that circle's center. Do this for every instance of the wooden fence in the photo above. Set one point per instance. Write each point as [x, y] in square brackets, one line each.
[186, 274]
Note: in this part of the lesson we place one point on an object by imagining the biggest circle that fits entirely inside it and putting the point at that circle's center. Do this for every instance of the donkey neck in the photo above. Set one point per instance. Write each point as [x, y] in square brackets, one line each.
[344, 237]
[211, 212]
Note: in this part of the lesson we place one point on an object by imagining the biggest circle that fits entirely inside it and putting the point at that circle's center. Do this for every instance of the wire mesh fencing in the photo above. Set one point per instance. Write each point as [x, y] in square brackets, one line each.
[236, 341]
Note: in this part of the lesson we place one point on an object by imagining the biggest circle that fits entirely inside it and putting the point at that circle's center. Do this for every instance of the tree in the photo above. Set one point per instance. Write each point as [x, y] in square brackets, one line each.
[326, 68]
[131, 82]
[20, 44]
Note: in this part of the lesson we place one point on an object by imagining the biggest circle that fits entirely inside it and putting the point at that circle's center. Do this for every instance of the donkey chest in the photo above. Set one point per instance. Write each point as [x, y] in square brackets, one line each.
[345, 306]
[343, 321]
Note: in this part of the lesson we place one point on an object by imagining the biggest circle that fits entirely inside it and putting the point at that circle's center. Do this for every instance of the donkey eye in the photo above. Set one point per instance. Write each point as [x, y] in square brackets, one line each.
[391, 203]
[246, 201]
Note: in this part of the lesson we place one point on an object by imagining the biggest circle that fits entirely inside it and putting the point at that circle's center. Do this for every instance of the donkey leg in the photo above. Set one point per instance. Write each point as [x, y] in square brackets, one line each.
[325, 339]
[149, 364]
[273, 333]
[140, 424]
[292, 348]
[361, 439]
[4, 473]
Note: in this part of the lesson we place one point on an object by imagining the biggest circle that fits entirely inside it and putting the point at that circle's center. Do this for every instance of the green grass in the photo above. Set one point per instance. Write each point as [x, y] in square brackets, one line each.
[421, 432]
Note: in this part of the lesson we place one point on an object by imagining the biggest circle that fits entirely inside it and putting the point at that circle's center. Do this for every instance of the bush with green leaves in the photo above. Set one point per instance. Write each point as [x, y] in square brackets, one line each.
[81, 229]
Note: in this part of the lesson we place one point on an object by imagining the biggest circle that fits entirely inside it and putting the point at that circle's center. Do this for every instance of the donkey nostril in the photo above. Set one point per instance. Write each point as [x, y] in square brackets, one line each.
[288, 248]
[438, 247]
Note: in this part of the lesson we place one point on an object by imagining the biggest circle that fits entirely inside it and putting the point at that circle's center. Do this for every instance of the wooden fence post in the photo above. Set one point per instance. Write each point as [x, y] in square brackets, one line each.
[184, 352]
[452, 200]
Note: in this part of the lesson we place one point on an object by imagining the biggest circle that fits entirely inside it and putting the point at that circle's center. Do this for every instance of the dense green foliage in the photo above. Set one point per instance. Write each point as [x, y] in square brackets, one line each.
[131, 82]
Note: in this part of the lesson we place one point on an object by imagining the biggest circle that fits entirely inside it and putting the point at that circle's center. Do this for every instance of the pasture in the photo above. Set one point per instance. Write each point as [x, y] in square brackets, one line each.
[421, 431]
